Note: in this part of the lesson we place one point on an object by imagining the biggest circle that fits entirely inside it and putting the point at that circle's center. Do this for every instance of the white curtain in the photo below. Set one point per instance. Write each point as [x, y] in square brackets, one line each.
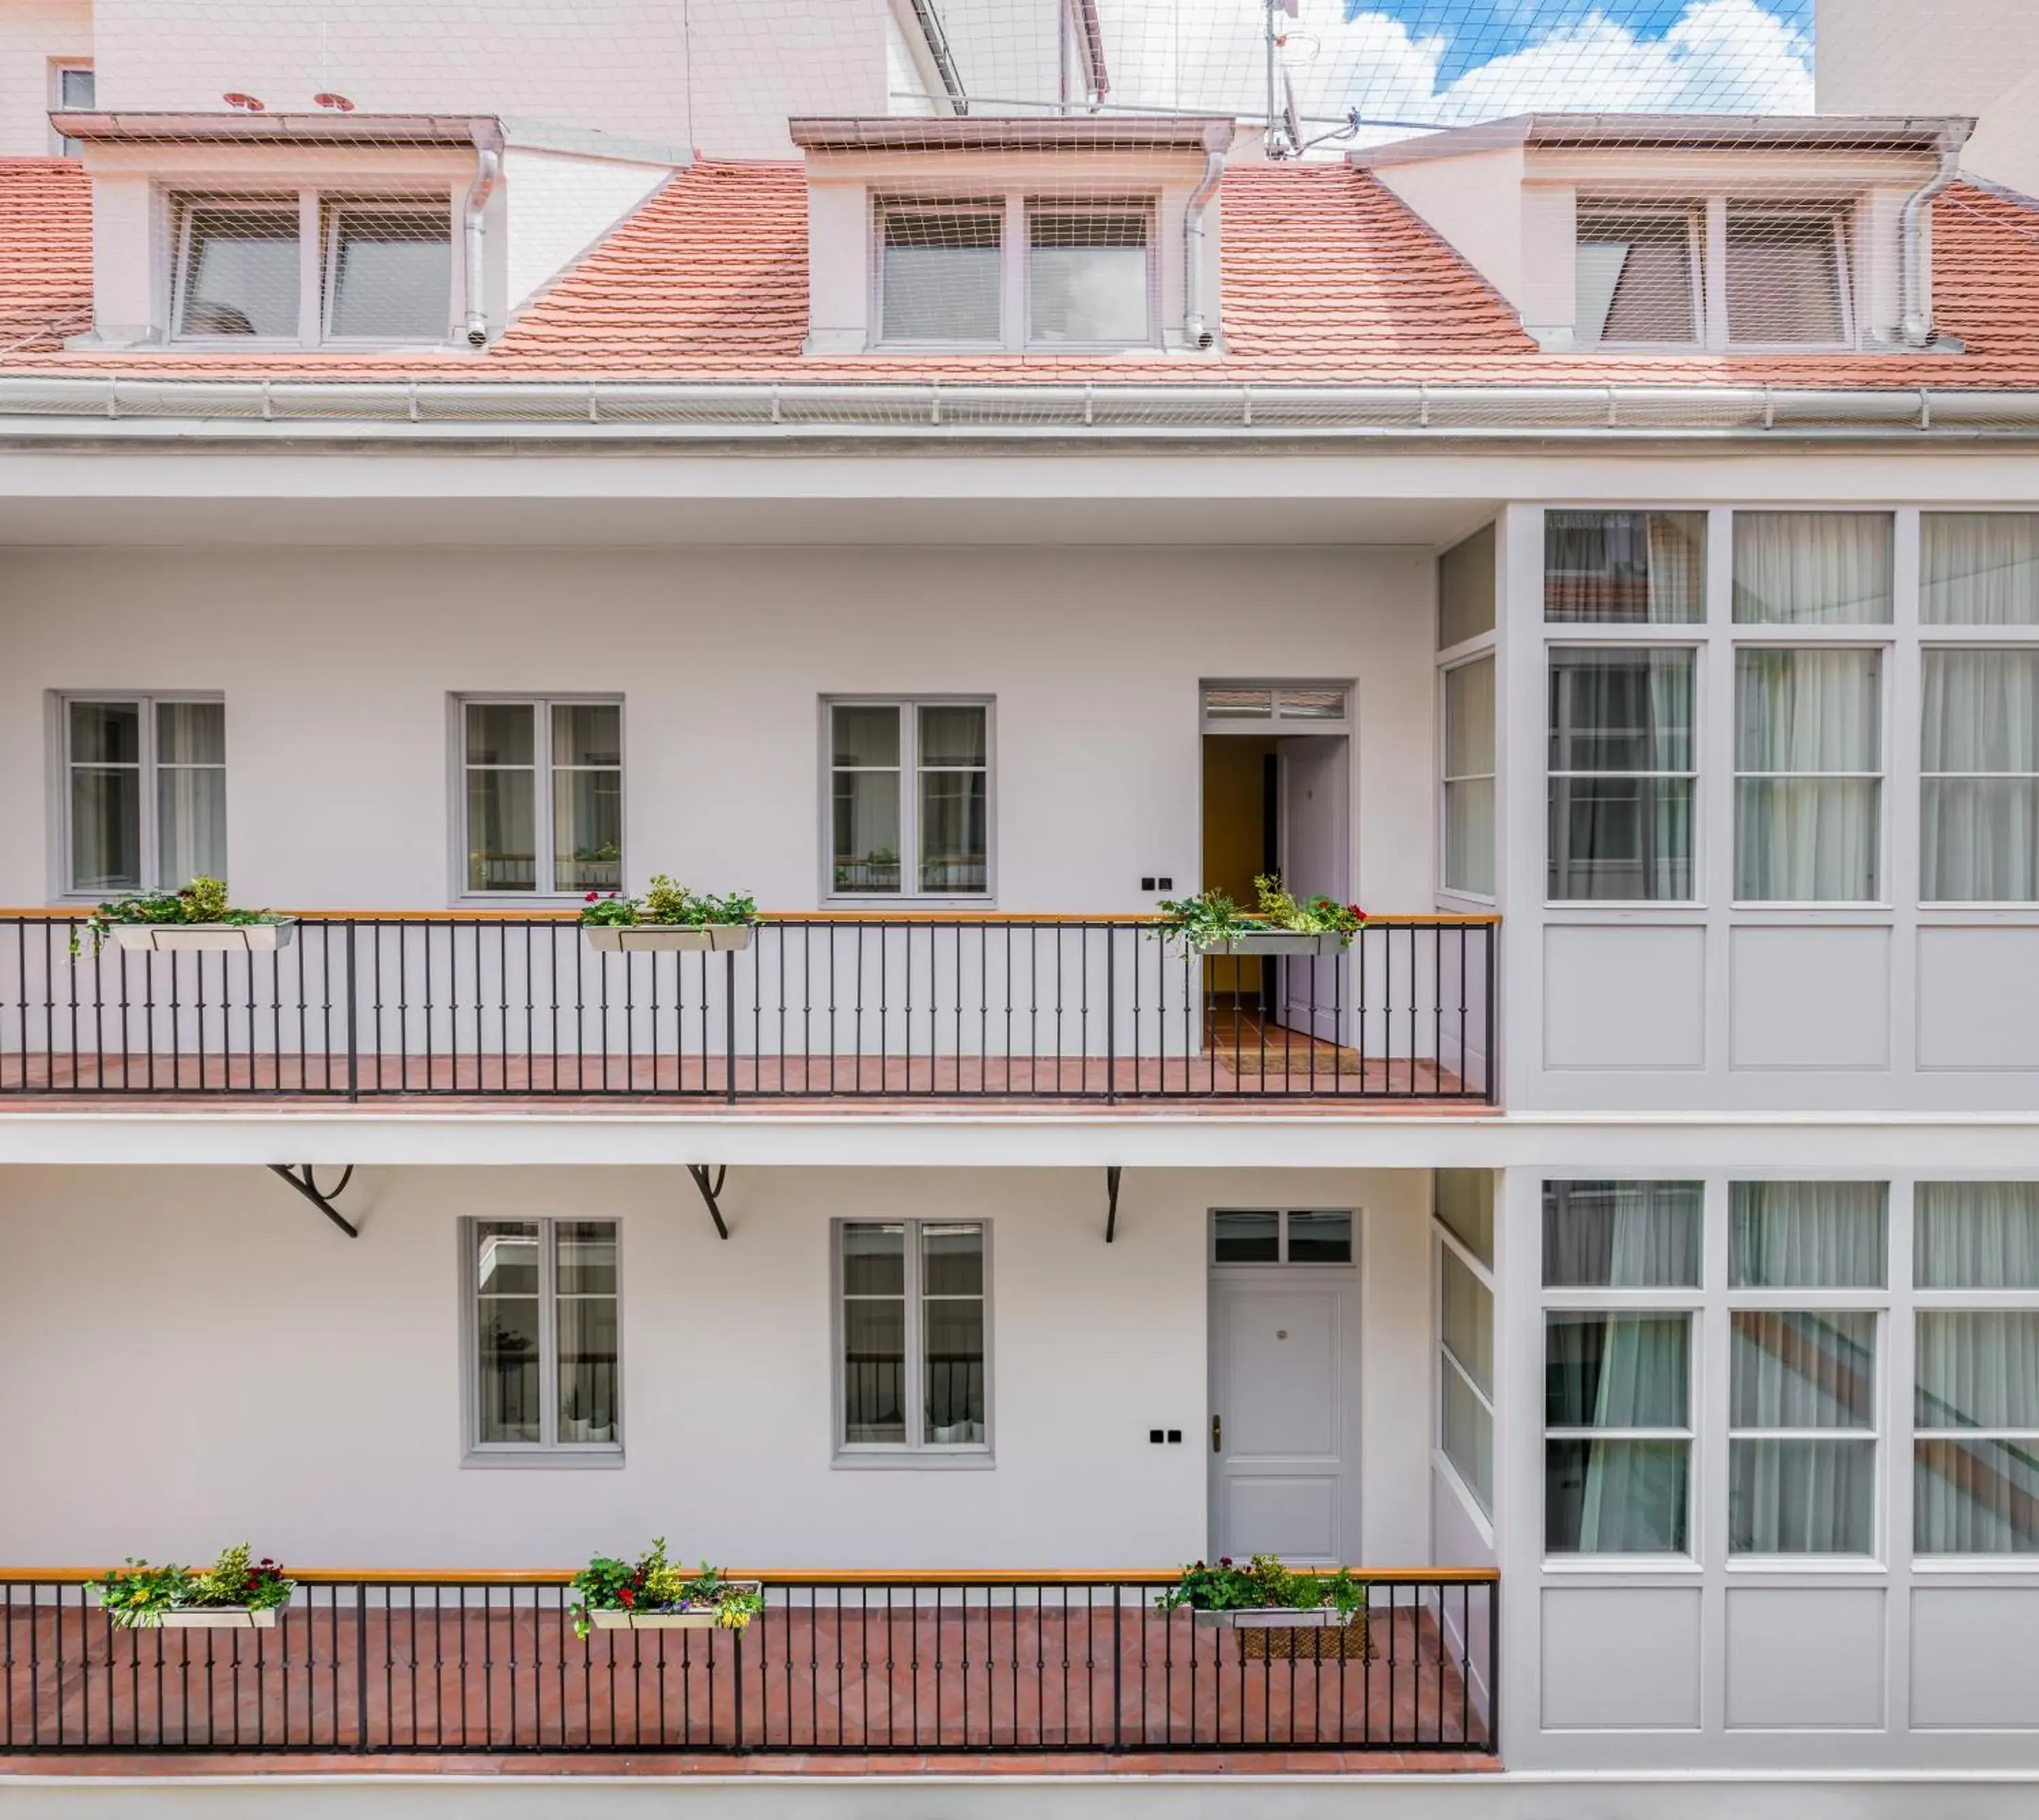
[1812, 568]
[1795, 1370]
[1806, 1235]
[191, 791]
[1612, 1494]
[1617, 831]
[1801, 835]
[1976, 1235]
[1978, 568]
[1622, 1234]
[1979, 829]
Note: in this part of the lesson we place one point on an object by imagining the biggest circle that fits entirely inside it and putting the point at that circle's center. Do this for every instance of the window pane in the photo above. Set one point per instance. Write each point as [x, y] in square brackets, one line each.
[105, 733]
[1614, 836]
[1978, 568]
[1791, 1369]
[502, 850]
[1247, 1238]
[866, 830]
[1621, 839]
[1320, 1239]
[240, 271]
[1467, 1314]
[1812, 568]
[76, 88]
[191, 733]
[1807, 839]
[1087, 278]
[501, 733]
[941, 276]
[954, 830]
[508, 1373]
[1615, 1371]
[586, 1254]
[1808, 711]
[1805, 1234]
[587, 733]
[191, 824]
[1469, 719]
[1978, 1369]
[874, 1279]
[1464, 1203]
[392, 274]
[587, 829]
[1614, 709]
[1784, 279]
[585, 1273]
[1979, 834]
[1635, 279]
[1624, 568]
[1468, 1437]
[952, 1315]
[953, 736]
[865, 736]
[1976, 1235]
[105, 829]
[1465, 589]
[1469, 836]
[1802, 1497]
[1622, 1234]
[1609, 1497]
[1221, 704]
[1975, 1498]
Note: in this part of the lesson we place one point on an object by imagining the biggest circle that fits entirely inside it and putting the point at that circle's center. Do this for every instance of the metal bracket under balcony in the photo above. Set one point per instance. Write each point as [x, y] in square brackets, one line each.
[299, 1177]
[711, 1192]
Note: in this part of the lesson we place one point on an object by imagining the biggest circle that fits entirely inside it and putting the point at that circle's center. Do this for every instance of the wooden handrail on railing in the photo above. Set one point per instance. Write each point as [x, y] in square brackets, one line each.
[817, 1576]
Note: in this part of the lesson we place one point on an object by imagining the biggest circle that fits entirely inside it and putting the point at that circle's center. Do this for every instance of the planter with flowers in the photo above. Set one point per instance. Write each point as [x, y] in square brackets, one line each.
[196, 919]
[235, 1593]
[1281, 1613]
[1282, 925]
[668, 918]
[652, 1594]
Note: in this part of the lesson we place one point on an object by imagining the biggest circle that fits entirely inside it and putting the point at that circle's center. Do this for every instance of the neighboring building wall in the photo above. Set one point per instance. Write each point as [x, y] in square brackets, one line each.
[204, 1334]
[33, 35]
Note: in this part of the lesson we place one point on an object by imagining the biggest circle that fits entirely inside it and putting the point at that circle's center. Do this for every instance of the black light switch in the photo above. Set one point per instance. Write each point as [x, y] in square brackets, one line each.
[1175, 1437]
[1147, 883]
[1166, 884]
[1154, 1437]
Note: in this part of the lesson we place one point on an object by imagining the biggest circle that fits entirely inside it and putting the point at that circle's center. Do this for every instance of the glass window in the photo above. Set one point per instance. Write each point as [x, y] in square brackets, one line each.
[913, 1335]
[546, 1367]
[1809, 762]
[1622, 1234]
[390, 273]
[1637, 277]
[1465, 1416]
[1979, 787]
[1812, 568]
[1469, 779]
[1787, 277]
[1462, 1201]
[1088, 277]
[1617, 1449]
[1625, 568]
[238, 274]
[1252, 1237]
[1978, 568]
[1303, 1236]
[1975, 1235]
[943, 820]
[146, 797]
[939, 272]
[75, 86]
[1807, 1234]
[1623, 768]
[1465, 589]
[519, 755]
[1801, 1441]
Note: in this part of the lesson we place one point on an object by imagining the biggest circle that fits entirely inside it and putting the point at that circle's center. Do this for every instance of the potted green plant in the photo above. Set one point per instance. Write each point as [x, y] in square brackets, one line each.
[668, 918]
[1280, 925]
[1275, 1605]
[196, 919]
[235, 1593]
[652, 1594]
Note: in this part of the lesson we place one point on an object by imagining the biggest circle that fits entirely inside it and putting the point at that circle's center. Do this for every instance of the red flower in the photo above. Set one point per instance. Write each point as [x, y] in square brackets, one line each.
[593, 896]
[1355, 911]
[626, 1598]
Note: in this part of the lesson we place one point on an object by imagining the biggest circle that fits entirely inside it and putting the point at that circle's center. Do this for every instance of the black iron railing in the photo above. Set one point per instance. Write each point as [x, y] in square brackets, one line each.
[817, 1007]
[836, 1663]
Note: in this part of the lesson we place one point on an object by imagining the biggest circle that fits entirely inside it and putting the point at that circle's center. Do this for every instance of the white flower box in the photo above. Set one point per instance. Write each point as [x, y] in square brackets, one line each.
[1293, 944]
[205, 937]
[1277, 1617]
[212, 1617]
[701, 1617]
[667, 938]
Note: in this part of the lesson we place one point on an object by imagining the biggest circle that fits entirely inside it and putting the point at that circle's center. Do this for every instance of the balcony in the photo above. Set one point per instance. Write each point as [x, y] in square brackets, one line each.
[1075, 1672]
[822, 1009]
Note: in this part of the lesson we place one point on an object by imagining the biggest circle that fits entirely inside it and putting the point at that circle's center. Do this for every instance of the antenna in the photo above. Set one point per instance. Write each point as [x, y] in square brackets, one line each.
[1284, 128]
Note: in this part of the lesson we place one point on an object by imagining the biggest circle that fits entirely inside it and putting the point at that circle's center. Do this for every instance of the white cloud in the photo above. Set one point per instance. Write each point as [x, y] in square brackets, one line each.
[1720, 56]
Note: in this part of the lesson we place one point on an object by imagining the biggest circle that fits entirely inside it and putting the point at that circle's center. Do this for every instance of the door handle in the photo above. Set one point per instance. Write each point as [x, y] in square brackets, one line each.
[1218, 1433]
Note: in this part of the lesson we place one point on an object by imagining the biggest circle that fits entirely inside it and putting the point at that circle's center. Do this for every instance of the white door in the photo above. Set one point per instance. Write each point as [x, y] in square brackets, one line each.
[1314, 811]
[1283, 1393]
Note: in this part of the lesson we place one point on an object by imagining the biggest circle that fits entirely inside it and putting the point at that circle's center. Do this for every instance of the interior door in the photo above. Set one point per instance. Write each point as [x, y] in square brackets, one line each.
[1282, 1464]
[1316, 785]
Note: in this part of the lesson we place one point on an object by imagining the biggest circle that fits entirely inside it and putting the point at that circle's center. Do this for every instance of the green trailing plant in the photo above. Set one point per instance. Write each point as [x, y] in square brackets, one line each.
[1262, 1584]
[1211, 919]
[668, 904]
[136, 1596]
[653, 1584]
[203, 901]
[1318, 915]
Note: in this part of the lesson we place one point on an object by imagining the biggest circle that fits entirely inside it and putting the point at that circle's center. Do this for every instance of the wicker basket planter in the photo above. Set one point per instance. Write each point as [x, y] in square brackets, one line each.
[1283, 1633]
[668, 939]
[205, 937]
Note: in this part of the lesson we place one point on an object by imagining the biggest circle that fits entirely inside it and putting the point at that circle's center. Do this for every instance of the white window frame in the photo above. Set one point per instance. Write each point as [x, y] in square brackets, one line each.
[985, 205]
[1446, 1243]
[1142, 205]
[318, 211]
[145, 703]
[1482, 650]
[916, 1450]
[60, 146]
[1693, 215]
[2009, 638]
[1835, 215]
[1281, 1259]
[544, 888]
[548, 1451]
[909, 707]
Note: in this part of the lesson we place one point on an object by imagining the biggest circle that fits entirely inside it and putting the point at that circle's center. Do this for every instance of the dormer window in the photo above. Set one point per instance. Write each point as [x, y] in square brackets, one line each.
[1090, 278]
[1787, 277]
[1639, 277]
[379, 270]
[939, 273]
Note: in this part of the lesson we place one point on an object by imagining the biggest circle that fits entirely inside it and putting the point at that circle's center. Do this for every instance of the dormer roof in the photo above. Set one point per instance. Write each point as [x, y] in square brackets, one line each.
[1005, 133]
[1928, 134]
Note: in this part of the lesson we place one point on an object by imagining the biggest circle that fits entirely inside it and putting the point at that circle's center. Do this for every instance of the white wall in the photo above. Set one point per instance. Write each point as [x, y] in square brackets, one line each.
[337, 669]
[197, 1357]
[32, 33]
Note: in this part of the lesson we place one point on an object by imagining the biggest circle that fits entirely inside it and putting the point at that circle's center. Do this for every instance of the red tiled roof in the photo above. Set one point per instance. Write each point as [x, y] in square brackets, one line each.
[1328, 280]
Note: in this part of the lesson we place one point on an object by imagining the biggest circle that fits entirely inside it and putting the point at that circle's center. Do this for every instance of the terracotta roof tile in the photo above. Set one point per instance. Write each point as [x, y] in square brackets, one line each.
[1328, 279]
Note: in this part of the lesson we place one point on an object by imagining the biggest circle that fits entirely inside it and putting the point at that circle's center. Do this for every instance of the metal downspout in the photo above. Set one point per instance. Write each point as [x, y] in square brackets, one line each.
[1915, 325]
[488, 173]
[1194, 331]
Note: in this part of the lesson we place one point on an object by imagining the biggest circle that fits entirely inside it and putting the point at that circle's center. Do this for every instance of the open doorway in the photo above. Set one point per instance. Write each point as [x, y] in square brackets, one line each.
[1277, 799]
